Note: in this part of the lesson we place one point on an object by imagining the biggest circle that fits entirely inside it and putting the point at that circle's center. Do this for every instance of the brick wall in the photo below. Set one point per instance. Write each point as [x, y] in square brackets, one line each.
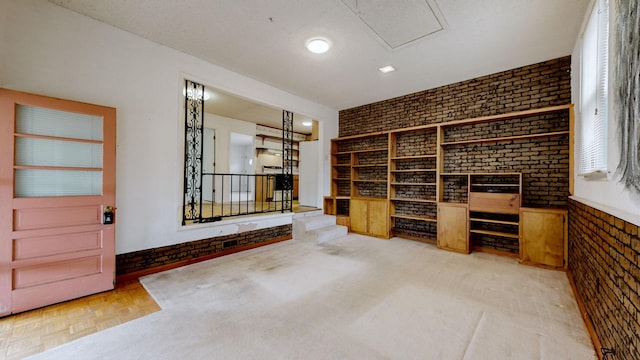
[368, 143]
[142, 260]
[603, 263]
[415, 143]
[544, 162]
[535, 86]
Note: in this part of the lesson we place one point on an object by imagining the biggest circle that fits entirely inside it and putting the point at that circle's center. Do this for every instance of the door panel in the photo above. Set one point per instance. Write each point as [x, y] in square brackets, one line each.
[55, 292]
[57, 175]
[58, 244]
[27, 276]
[543, 234]
[359, 216]
[26, 219]
[453, 230]
[378, 216]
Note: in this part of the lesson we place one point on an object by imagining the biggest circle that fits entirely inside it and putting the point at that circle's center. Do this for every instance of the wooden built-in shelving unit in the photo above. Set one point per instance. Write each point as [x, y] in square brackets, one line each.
[401, 175]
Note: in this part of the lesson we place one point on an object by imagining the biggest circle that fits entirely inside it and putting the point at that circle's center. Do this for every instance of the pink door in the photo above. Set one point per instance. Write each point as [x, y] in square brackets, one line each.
[57, 178]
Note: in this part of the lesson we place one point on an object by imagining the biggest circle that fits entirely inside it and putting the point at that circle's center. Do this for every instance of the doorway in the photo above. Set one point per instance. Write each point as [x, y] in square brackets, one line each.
[241, 154]
[57, 200]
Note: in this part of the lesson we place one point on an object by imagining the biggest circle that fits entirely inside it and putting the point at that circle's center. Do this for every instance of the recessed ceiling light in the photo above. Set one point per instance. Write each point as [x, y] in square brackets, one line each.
[386, 69]
[318, 45]
[307, 123]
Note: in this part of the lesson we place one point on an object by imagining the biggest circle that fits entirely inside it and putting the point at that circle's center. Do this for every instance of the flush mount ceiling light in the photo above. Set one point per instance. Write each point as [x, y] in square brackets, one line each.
[307, 123]
[387, 69]
[318, 45]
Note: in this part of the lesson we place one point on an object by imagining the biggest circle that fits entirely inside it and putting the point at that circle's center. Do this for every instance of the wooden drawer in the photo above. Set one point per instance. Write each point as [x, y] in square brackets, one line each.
[501, 203]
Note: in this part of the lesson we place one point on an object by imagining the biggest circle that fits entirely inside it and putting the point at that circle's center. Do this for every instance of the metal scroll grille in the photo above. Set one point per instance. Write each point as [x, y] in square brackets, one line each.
[287, 160]
[193, 142]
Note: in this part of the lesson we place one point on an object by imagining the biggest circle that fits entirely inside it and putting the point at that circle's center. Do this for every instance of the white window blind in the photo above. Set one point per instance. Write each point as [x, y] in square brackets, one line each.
[594, 91]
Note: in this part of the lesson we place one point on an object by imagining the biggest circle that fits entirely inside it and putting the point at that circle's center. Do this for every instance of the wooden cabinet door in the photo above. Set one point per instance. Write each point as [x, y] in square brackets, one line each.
[359, 216]
[377, 219]
[543, 236]
[453, 227]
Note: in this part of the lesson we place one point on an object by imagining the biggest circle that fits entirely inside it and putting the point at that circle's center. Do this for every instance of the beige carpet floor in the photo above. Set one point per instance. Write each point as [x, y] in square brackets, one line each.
[354, 298]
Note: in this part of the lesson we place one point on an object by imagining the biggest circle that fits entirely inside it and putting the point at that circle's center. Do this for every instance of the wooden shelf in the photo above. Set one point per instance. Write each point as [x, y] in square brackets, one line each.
[415, 128]
[413, 170]
[414, 157]
[427, 237]
[494, 173]
[367, 198]
[512, 115]
[342, 153]
[453, 202]
[412, 217]
[341, 179]
[492, 221]
[413, 184]
[372, 181]
[414, 200]
[454, 174]
[369, 165]
[279, 150]
[495, 233]
[345, 165]
[506, 138]
[362, 136]
[496, 185]
[278, 138]
[368, 150]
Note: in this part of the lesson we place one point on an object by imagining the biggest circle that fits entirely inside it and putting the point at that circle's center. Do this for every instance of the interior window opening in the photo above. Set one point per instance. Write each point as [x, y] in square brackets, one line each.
[240, 158]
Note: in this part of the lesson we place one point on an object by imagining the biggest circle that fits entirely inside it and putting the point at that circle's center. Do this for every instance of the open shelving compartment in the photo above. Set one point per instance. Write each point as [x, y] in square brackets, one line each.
[413, 183]
[494, 206]
[359, 184]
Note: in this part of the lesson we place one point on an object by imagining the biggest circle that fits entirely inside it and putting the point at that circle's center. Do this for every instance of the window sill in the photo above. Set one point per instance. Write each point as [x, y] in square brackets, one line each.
[597, 175]
[237, 221]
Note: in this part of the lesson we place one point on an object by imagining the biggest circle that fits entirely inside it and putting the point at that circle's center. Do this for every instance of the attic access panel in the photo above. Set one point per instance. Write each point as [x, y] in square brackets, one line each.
[397, 23]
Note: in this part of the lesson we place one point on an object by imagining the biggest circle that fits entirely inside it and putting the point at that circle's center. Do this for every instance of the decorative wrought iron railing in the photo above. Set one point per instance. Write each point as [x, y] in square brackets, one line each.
[228, 195]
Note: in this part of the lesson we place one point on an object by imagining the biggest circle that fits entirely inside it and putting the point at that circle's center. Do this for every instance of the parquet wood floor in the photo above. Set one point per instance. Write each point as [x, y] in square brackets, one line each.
[35, 331]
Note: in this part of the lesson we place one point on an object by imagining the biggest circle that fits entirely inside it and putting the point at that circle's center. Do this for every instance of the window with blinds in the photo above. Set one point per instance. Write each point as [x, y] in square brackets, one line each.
[594, 91]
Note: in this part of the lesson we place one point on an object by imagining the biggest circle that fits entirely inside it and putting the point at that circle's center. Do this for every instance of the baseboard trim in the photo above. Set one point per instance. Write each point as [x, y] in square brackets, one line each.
[137, 274]
[585, 317]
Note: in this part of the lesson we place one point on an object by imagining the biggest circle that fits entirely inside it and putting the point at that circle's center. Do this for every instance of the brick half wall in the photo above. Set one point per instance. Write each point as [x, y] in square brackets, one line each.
[603, 266]
[143, 262]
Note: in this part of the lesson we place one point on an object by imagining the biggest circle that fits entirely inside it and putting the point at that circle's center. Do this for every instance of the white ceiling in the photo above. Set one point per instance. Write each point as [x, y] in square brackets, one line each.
[265, 39]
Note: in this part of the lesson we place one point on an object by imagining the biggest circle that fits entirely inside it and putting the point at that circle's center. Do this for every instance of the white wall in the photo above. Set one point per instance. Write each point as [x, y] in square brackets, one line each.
[3, 47]
[310, 189]
[328, 130]
[52, 51]
[607, 195]
[224, 126]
